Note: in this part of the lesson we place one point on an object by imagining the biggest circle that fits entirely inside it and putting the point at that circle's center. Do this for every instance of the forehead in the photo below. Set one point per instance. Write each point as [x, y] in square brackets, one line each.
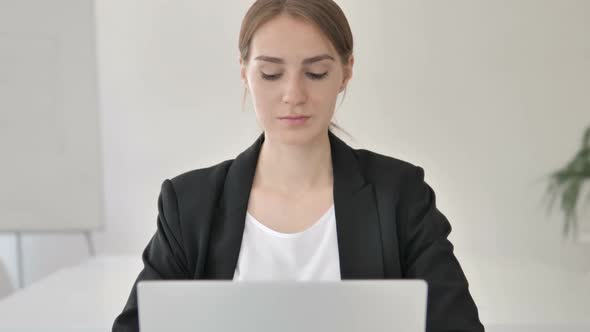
[290, 38]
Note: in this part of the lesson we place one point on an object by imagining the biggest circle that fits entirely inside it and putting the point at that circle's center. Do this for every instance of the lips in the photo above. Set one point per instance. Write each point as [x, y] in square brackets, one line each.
[294, 120]
[294, 117]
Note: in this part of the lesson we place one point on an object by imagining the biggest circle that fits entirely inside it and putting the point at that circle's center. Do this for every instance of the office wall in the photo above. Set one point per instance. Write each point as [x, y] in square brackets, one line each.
[487, 96]
[49, 136]
[50, 163]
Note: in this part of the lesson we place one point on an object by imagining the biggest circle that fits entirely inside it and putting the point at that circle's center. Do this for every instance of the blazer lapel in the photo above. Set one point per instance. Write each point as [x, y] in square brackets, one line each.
[357, 220]
[228, 225]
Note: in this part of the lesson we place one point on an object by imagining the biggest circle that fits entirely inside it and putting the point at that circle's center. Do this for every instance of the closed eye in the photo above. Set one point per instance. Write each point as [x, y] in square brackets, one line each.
[270, 77]
[312, 76]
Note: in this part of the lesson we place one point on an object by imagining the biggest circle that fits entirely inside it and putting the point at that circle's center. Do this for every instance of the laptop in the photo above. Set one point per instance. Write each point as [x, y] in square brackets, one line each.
[286, 306]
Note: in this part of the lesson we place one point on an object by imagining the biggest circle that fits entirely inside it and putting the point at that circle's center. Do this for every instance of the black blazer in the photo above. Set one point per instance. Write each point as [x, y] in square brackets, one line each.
[388, 227]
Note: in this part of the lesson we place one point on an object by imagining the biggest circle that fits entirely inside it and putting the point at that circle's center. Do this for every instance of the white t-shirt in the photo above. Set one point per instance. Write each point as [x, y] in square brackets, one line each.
[312, 254]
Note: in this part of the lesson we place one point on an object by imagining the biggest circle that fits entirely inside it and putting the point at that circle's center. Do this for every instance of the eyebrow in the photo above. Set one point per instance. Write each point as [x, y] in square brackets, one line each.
[305, 61]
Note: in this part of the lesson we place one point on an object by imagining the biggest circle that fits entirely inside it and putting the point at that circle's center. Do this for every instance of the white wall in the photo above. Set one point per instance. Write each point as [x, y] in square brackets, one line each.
[171, 99]
[50, 169]
[487, 96]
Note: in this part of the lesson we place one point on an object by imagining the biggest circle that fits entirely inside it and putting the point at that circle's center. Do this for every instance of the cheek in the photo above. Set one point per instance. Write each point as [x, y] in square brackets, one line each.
[257, 91]
[323, 95]
[264, 97]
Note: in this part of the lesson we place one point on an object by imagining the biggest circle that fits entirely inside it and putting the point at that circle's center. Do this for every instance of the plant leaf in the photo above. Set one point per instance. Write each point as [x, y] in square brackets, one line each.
[564, 184]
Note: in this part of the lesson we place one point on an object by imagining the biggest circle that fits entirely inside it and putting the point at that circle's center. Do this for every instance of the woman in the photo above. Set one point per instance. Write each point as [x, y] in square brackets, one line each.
[301, 192]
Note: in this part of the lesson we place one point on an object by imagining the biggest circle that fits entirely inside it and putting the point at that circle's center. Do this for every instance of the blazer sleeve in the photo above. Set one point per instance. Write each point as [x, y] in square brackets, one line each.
[163, 257]
[427, 254]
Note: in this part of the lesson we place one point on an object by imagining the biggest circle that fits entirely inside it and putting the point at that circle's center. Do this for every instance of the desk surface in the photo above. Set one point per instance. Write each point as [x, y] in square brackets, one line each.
[510, 297]
[86, 297]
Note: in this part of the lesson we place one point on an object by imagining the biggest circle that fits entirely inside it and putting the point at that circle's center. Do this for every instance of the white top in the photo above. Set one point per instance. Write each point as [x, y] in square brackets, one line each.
[312, 254]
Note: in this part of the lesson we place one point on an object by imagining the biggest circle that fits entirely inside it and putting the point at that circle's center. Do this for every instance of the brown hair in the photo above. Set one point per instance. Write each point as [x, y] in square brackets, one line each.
[325, 14]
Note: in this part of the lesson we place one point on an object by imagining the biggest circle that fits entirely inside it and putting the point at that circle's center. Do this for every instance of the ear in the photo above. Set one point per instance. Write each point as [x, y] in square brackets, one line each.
[347, 71]
[242, 69]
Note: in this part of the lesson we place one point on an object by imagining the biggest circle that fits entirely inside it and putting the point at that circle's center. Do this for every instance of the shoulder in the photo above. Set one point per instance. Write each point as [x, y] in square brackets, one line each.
[394, 180]
[206, 176]
[201, 185]
[377, 168]
[380, 168]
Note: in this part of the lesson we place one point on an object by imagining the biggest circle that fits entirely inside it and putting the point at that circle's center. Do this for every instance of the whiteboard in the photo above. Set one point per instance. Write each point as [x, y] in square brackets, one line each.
[50, 166]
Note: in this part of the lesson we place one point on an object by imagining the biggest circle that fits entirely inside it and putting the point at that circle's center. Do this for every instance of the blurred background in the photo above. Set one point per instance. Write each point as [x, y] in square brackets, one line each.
[101, 101]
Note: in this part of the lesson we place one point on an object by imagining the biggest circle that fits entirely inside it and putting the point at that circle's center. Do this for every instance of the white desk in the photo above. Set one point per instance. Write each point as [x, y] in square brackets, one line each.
[511, 297]
[85, 298]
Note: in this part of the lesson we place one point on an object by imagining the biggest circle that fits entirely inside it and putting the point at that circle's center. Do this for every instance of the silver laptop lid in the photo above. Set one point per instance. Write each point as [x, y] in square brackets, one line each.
[227, 306]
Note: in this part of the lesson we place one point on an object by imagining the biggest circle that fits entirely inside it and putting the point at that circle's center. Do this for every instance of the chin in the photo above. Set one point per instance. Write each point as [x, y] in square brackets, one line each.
[302, 136]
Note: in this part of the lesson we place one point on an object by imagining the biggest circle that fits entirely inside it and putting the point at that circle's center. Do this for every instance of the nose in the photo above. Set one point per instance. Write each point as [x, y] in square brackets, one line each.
[295, 92]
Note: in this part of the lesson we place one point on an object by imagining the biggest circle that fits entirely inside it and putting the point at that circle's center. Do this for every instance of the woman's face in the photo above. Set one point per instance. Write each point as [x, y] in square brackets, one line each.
[293, 70]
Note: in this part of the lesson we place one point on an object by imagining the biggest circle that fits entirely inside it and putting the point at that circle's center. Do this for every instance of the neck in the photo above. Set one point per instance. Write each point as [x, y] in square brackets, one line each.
[294, 168]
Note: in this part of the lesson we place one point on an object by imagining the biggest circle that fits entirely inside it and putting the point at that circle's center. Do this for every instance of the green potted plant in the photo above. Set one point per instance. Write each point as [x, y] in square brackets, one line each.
[566, 185]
